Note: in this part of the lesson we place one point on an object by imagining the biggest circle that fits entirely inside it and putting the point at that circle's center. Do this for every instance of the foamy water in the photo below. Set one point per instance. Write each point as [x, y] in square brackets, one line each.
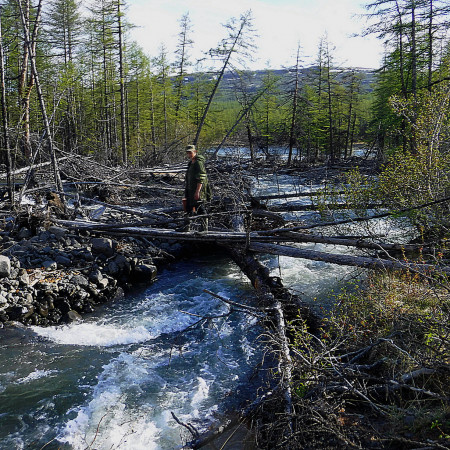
[114, 379]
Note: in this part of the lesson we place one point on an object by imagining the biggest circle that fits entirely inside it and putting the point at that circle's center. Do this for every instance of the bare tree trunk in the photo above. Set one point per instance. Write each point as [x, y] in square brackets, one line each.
[32, 56]
[294, 108]
[245, 20]
[348, 260]
[26, 83]
[122, 88]
[244, 113]
[430, 46]
[5, 119]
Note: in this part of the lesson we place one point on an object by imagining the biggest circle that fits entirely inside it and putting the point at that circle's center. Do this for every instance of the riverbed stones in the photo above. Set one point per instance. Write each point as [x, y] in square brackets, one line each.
[57, 271]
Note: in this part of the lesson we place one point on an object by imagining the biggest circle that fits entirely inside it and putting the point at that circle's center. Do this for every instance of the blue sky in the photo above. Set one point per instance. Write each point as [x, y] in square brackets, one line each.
[280, 26]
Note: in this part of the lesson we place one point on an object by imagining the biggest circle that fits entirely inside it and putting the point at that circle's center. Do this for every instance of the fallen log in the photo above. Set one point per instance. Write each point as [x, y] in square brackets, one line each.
[268, 288]
[127, 185]
[365, 218]
[124, 209]
[351, 242]
[348, 260]
[142, 229]
[294, 195]
[270, 292]
[292, 207]
[34, 166]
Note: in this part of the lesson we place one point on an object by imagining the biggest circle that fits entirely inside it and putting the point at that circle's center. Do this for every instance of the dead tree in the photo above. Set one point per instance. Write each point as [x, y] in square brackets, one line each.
[5, 119]
[32, 56]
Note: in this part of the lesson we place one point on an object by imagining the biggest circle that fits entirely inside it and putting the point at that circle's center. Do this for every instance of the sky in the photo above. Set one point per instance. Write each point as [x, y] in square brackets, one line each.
[281, 25]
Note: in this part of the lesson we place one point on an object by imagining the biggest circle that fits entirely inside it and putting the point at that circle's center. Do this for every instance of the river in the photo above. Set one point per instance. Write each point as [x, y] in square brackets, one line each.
[113, 380]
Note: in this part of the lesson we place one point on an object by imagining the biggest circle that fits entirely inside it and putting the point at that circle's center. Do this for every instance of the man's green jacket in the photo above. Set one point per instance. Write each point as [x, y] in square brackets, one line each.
[196, 173]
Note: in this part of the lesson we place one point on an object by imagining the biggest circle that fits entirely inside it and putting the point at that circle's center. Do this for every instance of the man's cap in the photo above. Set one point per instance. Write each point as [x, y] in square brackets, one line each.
[191, 148]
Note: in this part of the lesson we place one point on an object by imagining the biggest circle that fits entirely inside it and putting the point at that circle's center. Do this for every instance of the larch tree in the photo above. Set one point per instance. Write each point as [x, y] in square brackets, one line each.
[236, 45]
[64, 35]
[6, 153]
[294, 98]
[181, 64]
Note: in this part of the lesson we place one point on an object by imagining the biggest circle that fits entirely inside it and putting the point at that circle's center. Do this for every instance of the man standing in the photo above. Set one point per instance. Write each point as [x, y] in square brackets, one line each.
[197, 190]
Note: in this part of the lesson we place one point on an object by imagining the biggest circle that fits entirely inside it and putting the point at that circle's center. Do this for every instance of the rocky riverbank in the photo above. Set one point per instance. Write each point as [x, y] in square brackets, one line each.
[52, 275]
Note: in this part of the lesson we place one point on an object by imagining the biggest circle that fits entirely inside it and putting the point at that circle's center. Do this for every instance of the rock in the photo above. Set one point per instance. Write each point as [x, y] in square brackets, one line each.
[43, 311]
[119, 266]
[29, 313]
[44, 236]
[103, 246]
[24, 233]
[63, 261]
[143, 273]
[79, 280]
[95, 276]
[49, 265]
[58, 231]
[113, 269]
[24, 277]
[73, 316]
[17, 312]
[103, 283]
[5, 267]
[119, 294]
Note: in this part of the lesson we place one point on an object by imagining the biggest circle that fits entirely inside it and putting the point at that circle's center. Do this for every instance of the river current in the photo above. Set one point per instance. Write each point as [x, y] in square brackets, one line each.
[113, 380]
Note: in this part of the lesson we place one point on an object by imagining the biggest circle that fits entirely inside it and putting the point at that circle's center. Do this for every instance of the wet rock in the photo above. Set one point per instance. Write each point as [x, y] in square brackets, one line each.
[144, 273]
[16, 312]
[88, 308]
[119, 294]
[73, 316]
[5, 267]
[55, 316]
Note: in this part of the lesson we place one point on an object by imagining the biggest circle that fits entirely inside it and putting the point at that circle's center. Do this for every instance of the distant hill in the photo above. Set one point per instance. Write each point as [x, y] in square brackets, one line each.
[255, 78]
